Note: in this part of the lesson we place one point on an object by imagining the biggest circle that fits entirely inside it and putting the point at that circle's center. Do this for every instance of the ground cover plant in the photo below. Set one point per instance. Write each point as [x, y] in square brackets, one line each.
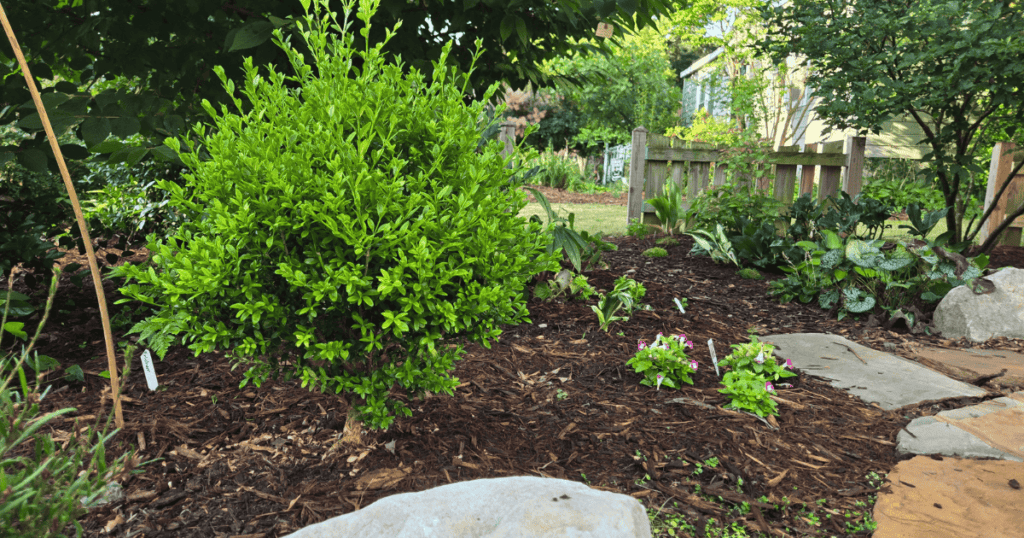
[553, 398]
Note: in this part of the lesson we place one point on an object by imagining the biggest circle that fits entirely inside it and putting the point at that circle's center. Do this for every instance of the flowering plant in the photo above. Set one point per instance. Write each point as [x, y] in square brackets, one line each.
[750, 392]
[664, 361]
[748, 381]
[757, 358]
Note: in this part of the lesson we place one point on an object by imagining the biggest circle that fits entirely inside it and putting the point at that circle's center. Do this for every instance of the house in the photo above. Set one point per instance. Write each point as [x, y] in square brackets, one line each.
[705, 87]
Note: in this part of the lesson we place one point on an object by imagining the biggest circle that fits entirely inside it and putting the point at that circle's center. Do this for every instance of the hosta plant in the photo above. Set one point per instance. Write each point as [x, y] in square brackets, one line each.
[345, 230]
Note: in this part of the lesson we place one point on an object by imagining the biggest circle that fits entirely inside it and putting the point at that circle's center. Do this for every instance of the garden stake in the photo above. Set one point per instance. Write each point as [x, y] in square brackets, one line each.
[93, 266]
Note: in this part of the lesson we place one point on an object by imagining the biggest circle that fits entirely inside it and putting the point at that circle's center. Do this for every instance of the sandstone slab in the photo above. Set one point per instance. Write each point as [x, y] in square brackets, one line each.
[952, 498]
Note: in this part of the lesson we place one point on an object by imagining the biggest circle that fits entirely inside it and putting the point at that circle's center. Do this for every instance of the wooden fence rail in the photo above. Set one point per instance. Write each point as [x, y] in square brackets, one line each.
[657, 159]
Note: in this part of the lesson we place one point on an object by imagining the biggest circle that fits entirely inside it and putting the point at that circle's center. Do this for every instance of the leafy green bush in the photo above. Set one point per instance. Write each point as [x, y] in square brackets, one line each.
[638, 229]
[722, 204]
[344, 229]
[41, 484]
[34, 212]
[128, 202]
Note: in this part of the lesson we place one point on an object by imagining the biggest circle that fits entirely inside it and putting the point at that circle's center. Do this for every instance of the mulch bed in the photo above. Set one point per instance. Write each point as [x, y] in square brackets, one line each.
[553, 398]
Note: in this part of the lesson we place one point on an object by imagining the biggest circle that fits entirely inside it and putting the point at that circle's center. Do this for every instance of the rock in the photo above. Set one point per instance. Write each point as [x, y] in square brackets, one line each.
[963, 313]
[522, 506]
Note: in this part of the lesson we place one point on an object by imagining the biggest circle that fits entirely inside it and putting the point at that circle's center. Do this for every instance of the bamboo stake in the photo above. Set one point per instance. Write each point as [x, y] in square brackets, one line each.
[90, 253]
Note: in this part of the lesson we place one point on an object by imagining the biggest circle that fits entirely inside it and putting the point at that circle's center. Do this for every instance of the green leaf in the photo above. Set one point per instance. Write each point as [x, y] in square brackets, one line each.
[74, 152]
[35, 160]
[174, 124]
[105, 374]
[15, 328]
[94, 131]
[31, 122]
[507, 26]
[524, 34]
[125, 126]
[249, 35]
[74, 374]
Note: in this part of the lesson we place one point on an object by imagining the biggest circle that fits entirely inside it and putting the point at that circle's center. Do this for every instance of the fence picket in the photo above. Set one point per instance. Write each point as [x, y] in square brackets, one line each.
[690, 167]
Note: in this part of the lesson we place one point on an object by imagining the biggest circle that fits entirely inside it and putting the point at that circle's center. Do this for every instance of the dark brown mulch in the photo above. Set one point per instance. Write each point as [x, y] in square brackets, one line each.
[550, 399]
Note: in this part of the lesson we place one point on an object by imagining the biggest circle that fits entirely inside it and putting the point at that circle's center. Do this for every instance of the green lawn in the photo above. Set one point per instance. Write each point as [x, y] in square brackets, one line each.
[611, 219]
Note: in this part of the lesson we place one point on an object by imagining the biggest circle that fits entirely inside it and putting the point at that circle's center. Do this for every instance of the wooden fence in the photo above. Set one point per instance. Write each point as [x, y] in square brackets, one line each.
[1004, 158]
[690, 165]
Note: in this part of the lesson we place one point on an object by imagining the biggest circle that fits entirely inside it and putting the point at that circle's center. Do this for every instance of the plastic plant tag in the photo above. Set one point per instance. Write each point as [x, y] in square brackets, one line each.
[714, 360]
[680, 305]
[147, 366]
[604, 30]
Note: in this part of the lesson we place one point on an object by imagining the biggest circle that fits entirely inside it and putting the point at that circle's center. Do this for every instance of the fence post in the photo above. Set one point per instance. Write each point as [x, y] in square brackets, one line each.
[807, 176]
[785, 180]
[637, 160]
[1001, 164]
[854, 172]
[507, 135]
[830, 175]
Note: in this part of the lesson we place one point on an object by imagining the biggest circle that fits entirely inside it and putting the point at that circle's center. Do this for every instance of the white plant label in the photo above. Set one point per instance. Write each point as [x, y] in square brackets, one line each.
[679, 304]
[714, 360]
[147, 366]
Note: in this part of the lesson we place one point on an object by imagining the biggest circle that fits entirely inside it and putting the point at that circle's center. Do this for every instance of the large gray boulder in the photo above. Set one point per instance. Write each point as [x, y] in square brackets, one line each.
[963, 313]
[516, 507]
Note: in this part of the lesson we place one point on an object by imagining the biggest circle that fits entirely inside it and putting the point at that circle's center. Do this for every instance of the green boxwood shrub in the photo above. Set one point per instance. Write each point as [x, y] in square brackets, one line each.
[344, 229]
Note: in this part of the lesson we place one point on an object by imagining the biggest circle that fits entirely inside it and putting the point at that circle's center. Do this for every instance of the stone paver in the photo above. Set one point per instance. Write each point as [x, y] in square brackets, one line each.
[873, 376]
[979, 361]
[952, 498]
[990, 429]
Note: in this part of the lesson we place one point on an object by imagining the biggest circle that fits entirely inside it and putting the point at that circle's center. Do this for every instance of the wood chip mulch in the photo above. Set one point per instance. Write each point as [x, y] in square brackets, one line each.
[553, 398]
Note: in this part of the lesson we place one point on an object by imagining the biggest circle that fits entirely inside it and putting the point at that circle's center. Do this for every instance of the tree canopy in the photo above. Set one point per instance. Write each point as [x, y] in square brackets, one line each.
[951, 65]
[154, 59]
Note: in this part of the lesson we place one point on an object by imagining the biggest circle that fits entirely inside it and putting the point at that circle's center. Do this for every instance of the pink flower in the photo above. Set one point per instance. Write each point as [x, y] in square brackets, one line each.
[689, 345]
[640, 345]
[768, 386]
[693, 365]
[660, 377]
[760, 358]
[681, 337]
[789, 364]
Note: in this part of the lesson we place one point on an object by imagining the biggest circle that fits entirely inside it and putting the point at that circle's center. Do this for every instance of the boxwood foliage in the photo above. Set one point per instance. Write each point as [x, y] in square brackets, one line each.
[344, 230]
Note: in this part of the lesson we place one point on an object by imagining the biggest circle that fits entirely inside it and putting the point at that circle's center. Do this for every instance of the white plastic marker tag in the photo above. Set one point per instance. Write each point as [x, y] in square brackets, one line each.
[680, 305]
[714, 360]
[147, 366]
